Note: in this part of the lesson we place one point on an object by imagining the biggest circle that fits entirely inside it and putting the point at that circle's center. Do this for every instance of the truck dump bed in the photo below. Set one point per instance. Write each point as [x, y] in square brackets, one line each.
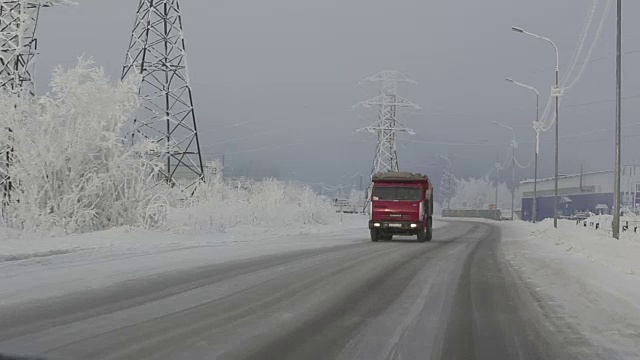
[399, 176]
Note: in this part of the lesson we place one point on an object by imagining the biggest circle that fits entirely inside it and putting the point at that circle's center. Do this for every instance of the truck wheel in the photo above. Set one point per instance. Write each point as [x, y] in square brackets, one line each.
[374, 235]
[429, 234]
[423, 235]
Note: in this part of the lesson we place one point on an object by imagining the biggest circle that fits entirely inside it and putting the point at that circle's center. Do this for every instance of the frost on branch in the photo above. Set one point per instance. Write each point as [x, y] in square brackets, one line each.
[69, 169]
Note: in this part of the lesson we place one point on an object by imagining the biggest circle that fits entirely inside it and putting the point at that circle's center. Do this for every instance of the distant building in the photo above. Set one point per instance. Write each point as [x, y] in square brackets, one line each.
[581, 192]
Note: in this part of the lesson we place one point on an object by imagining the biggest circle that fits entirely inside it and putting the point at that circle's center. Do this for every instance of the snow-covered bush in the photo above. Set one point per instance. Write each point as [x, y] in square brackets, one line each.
[68, 167]
[479, 194]
[218, 205]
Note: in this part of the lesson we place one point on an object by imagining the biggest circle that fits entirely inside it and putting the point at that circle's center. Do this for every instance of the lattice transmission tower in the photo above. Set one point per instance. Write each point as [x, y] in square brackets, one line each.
[18, 50]
[167, 116]
[447, 183]
[387, 126]
[18, 43]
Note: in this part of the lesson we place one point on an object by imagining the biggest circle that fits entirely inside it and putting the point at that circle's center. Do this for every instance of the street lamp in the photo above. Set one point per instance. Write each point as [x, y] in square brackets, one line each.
[514, 144]
[536, 151]
[556, 92]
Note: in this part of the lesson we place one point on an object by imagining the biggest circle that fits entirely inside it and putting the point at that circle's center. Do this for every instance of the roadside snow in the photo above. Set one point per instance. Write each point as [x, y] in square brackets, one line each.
[587, 284]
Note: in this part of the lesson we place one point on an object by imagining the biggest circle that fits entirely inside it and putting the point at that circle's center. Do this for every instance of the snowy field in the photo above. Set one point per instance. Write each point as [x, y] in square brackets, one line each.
[587, 283]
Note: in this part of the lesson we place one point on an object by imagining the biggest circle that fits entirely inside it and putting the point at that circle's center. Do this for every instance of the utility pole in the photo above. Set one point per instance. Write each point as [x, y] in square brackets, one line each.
[157, 52]
[449, 194]
[556, 92]
[616, 192]
[535, 157]
[513, 176]
[536, 150]
[555, 178]
[497, 174]
[514, 145]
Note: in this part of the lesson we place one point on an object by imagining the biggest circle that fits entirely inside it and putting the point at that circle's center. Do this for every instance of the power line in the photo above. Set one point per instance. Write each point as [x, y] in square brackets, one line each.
[604, 57]
[447, 143]
[516, 110]
[587, 132]
[240, 138]
[265, 148]
[601, 101]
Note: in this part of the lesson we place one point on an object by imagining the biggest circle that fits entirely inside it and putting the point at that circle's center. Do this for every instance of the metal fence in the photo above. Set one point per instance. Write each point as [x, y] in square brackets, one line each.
[482, 214]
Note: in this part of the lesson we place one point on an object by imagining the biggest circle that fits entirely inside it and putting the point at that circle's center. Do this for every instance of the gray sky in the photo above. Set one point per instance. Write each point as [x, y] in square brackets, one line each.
[293, 67]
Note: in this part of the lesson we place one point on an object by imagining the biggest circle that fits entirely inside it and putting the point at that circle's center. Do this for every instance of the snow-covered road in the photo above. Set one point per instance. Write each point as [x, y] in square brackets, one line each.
[347, 299]
[480, 290]
[32, 267]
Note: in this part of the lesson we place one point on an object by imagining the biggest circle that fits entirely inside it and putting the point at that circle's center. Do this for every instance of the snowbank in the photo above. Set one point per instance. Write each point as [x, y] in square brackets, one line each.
[587, 283]
[597, 246]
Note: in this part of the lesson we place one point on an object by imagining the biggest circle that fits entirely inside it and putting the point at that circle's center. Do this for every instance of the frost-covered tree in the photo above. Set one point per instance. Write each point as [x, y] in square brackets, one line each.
[69, 169]
[357, 198]
[479, 194]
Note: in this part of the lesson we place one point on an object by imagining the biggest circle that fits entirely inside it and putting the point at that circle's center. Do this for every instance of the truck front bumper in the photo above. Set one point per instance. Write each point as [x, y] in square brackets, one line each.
[398, 227]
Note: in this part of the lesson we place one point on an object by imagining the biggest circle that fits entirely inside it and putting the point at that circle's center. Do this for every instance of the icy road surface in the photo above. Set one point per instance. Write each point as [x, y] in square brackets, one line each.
[452, 298]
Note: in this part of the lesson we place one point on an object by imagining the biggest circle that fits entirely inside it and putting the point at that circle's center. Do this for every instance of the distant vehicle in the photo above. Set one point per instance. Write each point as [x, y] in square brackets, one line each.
[401, 204]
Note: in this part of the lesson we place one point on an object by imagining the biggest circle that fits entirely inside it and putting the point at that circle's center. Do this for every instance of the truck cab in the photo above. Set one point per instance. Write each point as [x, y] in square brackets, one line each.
[401, 204]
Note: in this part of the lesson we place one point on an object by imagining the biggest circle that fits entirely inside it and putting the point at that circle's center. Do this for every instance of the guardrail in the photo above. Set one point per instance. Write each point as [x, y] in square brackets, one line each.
[481, 214]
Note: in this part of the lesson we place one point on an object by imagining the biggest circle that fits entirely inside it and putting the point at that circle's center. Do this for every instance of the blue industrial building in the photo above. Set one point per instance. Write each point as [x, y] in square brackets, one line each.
[579, 193]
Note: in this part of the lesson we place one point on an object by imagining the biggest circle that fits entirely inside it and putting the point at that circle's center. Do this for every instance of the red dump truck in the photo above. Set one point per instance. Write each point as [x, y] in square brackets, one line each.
[401, 204]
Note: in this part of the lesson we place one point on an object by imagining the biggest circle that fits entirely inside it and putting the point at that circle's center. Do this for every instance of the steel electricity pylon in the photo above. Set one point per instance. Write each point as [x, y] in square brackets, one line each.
[18, 50]
[18, 43]
[447, 183]
[387, 126]
[167, 116]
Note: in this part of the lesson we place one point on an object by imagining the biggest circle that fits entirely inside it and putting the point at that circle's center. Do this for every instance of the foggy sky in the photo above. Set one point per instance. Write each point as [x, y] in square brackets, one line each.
[291, 68]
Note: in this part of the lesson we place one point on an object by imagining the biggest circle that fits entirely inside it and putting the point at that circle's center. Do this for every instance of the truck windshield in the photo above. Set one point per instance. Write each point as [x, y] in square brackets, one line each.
[401, 193]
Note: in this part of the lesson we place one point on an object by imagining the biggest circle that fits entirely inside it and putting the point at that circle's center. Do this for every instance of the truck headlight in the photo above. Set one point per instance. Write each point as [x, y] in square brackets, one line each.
[376, 224]
[414, 225]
